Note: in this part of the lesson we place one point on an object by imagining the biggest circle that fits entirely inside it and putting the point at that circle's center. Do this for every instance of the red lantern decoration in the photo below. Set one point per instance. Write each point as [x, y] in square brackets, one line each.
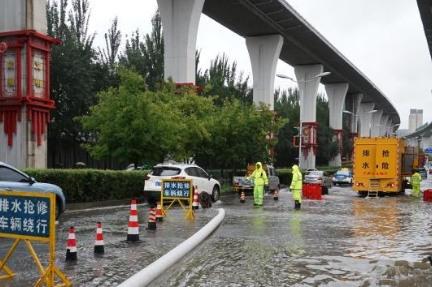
[25, 82]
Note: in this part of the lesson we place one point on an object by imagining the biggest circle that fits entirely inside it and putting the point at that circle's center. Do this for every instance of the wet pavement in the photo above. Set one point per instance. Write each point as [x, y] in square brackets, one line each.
[342, 240]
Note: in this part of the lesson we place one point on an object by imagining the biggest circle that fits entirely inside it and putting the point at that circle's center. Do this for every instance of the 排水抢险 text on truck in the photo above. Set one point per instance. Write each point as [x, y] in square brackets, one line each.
[381, 165]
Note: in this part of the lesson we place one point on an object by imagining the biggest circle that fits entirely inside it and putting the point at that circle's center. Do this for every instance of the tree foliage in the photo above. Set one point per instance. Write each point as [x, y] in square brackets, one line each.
[140, 125]
[73, 70]
[146, 57]
[222, 80]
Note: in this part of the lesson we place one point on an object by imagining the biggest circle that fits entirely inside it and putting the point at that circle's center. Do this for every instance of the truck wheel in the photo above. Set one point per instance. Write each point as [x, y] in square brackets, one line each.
[362, 194]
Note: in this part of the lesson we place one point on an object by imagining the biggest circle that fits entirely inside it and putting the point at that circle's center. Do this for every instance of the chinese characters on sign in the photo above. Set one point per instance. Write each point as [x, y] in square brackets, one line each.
[9, 71]
[366, 152]
[177, 189]
[38, 74]
[22, 215]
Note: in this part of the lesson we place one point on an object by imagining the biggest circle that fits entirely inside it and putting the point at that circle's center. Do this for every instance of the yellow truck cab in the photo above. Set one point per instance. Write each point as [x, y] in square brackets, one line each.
[380, 165]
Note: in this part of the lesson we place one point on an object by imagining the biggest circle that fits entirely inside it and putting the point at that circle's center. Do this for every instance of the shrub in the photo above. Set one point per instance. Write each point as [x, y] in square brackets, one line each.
[87, 185]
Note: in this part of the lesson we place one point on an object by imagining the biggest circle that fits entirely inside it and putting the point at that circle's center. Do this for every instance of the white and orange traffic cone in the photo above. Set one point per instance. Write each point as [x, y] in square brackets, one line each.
[159, 213]
[71, 248]
[242, 197]
[133, 225]
[152, 219]
[195, 202]
[276, 194]
[99, 242]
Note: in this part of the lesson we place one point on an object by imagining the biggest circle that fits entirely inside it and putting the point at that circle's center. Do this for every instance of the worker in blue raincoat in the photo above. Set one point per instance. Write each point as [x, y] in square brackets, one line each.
[260, 179]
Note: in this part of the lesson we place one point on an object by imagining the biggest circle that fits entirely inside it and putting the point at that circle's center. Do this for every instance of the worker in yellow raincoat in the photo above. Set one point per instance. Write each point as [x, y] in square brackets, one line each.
[260, 179]
[415, 183]
[296, 186]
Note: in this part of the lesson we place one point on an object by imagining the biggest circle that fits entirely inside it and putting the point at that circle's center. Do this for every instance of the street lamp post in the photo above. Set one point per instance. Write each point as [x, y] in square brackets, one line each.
[282, 76]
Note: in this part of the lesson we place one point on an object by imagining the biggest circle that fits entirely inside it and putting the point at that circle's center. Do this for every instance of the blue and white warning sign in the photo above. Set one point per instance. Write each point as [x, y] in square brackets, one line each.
[25, 215]
[177, 188]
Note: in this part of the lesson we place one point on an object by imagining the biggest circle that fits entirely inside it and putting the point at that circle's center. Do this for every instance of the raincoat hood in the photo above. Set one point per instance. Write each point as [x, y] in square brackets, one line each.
[295, 168]
[259, 165]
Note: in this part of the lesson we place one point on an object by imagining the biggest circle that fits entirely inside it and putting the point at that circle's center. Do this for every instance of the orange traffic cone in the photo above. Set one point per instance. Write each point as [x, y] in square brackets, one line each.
[133, 225]
[71, 249]
[276, 194]
[195, 203]
[99, 242]
[152, 219]
[242, 197]
[159, 213]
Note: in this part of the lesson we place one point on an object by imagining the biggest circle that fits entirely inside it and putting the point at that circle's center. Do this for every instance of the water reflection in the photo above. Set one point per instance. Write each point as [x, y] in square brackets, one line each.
[376, 228]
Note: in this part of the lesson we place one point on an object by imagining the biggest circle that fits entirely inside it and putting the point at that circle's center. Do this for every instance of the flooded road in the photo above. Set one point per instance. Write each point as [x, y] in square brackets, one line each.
[342, 240]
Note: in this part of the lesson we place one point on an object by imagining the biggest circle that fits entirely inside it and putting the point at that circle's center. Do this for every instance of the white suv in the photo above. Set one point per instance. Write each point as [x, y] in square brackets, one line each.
[199, 177]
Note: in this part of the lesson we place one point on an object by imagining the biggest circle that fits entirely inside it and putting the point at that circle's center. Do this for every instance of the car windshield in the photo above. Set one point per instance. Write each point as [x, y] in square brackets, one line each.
[342, 172]
[165, 171]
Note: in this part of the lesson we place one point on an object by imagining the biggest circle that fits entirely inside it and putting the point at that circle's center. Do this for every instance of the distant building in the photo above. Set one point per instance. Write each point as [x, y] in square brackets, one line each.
[415, 119]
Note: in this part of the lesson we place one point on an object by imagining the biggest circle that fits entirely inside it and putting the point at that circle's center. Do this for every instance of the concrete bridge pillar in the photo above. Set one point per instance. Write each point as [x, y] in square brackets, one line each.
[383, 125]
[355, 100]
[365, 117]
[25, 101]
[308, 82]
[264, 53]
[180, 20]
[336, 94]
[376, 122]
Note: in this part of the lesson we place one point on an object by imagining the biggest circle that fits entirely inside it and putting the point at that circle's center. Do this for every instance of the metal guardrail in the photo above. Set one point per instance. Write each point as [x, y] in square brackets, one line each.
[154, 270]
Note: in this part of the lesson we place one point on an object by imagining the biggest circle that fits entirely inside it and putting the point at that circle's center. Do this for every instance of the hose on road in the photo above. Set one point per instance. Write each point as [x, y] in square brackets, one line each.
[154, 270]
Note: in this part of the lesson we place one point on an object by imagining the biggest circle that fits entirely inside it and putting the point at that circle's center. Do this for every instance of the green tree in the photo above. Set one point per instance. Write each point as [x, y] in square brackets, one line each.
[147, 56]
[238, 135]
[136, 125]
[72, 76]
[130, 124]
[222, 80]
[287, 106]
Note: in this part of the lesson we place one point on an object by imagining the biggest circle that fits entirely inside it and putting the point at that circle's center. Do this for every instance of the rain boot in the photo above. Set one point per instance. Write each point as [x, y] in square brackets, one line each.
[296, 204]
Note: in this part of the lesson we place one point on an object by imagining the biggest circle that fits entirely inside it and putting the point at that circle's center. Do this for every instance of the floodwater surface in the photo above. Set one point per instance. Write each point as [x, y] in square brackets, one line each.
[342, 240]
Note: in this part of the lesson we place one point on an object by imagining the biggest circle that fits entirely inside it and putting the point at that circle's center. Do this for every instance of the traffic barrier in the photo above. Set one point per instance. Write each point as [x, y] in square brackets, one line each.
[195, 202]
[427, 195]
[305, 190]
[159, 213]
[133, 225]
[315, 191]
[152, 219]
[157, 268]
[99, 242]
[71, 248]
[312, 191]
[276, 195]
[242, 197]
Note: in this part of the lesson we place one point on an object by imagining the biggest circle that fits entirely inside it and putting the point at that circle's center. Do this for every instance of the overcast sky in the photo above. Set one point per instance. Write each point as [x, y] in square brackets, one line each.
[384, 39]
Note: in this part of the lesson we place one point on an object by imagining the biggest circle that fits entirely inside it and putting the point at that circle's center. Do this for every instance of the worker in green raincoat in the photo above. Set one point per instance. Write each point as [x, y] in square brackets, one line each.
[260, 179]
[415, 183]
[296, 186]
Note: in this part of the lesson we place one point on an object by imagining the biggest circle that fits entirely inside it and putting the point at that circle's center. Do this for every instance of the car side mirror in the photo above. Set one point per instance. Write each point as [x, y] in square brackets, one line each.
[32, 180]
[210, 176]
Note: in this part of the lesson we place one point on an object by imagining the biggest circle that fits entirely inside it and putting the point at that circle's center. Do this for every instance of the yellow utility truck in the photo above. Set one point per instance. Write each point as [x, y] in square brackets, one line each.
[381, 165]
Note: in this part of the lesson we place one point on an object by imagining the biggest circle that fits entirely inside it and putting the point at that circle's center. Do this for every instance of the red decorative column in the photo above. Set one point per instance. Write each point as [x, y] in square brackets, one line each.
[25, 101]
[309, 139]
